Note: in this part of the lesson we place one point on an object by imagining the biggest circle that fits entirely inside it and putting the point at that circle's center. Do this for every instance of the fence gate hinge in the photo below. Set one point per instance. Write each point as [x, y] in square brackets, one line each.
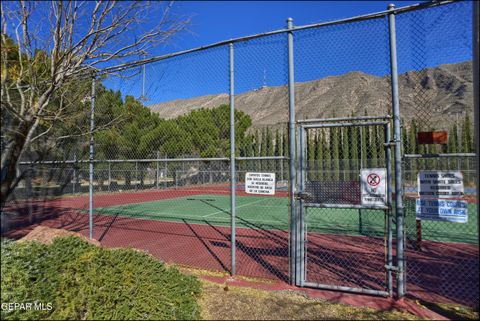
[303, 196]
[391, 268]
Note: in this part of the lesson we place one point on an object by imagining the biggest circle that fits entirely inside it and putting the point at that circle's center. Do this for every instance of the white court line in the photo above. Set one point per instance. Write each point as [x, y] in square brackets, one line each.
[157, 216]
[223, 211]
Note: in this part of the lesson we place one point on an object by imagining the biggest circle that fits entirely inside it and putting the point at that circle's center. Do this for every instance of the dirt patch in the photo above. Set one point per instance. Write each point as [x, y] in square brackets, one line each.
[44, 234]
[220, 302]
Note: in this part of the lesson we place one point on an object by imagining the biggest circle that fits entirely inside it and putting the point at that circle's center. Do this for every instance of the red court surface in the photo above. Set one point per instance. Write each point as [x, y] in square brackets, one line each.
[440, 272]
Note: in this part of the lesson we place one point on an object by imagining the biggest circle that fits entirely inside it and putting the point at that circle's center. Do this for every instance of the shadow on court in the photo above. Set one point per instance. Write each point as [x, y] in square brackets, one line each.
[441, 272]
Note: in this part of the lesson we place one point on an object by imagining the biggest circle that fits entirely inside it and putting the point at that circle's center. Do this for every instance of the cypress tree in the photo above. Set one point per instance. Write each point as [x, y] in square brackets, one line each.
[381, 146]
[314, 165]
[285, 142]
[346, 159]
[354, 152]
[412, 139]
[269, 142]
[310, 155]
[320, 156]
[363, 147]
[250, 146]
[269, 148]
[263, 146]
[374, 146]
[335, 150]
[327, 156]
[453, 141]
[405, 143]
[278, 144]
[257, 143]
[467, 141]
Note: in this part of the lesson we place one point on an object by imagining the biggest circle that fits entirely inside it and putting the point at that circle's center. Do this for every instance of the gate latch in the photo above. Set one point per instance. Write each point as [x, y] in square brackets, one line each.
[303, 196]
[391, 268]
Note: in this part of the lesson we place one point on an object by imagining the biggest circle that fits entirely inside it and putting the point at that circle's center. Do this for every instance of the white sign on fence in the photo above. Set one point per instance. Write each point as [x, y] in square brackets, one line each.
[374, 186]
[260, 183]
[435, 189]
[440, 184]
[442, 210]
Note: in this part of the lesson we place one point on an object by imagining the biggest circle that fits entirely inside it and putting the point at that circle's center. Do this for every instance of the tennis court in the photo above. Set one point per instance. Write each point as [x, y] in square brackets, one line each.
[272, 213]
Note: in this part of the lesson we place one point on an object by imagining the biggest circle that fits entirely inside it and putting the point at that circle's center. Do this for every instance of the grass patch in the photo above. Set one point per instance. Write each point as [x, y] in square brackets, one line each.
[236, 303]
[82, 281]
[453, 312]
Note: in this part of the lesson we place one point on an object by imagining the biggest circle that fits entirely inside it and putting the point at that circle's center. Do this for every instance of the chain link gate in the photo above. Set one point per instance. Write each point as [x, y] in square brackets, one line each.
[173, 137]
[345, 240]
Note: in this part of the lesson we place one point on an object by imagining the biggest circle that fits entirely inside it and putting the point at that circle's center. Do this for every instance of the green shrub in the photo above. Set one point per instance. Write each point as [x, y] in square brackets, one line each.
[82, 281]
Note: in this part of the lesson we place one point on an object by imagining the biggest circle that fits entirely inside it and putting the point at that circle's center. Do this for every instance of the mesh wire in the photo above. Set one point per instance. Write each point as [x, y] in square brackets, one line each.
[162, 141]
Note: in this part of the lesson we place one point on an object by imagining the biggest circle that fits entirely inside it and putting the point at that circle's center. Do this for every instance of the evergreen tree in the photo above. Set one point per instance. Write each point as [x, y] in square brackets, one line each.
[374, 146]
[257, 144]
[285, 148]
[277, 152]
[320, 145]
[405, 142]
[278, 144]
[412, 139]
[453, 140]
[264, 144]
[335, 151]
[363, 147]
[381, 145]
[467, 141]
[309, 162]
[346, 159]
[327, 156]
[354, 152]
[269, 142]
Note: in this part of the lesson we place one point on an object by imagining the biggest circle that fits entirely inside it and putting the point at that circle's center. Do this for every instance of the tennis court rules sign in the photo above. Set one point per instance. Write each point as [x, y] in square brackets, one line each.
[260, 183]
[374, 186]
[439, 193]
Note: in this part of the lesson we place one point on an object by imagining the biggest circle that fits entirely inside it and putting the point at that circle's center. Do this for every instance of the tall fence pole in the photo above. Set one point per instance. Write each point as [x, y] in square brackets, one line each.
[232, 161]
[388, 155]
[476, 84]
[291, 149]
[74, 172]
[158, 170]
[90, 184]
[109, 176]
[397, 138]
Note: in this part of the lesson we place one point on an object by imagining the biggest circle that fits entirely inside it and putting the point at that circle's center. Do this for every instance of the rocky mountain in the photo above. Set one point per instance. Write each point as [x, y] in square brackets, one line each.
[433, 96]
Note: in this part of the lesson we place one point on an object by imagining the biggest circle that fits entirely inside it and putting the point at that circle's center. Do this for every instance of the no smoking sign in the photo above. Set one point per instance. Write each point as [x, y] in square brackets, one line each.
[373, 179]
[374, 187]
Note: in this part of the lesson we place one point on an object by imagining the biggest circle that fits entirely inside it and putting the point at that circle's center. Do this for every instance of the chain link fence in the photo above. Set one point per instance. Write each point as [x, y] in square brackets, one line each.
[436, 94]
[165, 179]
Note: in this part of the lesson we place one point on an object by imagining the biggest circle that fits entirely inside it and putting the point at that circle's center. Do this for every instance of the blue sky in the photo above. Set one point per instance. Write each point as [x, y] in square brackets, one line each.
[425, 38]
[214, 21]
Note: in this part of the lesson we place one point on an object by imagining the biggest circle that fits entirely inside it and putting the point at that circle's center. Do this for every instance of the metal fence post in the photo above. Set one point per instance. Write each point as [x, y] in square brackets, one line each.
[232, 160]
[292, 153]
[90, 184]
[158, 169]
[476, 83]
[109, 176]
[300, 218]
[74, 172]
[136, 176]
[397, 138]
[388, 156]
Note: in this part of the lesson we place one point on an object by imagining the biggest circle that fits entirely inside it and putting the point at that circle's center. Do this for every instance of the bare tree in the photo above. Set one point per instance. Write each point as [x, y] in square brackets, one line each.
[47, 46]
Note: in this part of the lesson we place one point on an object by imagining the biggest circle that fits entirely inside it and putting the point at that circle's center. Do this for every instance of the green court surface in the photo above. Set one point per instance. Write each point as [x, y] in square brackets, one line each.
[264, 212]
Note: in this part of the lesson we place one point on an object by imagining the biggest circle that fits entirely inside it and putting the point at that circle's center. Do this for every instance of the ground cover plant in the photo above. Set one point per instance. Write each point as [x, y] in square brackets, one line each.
[72, 279]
